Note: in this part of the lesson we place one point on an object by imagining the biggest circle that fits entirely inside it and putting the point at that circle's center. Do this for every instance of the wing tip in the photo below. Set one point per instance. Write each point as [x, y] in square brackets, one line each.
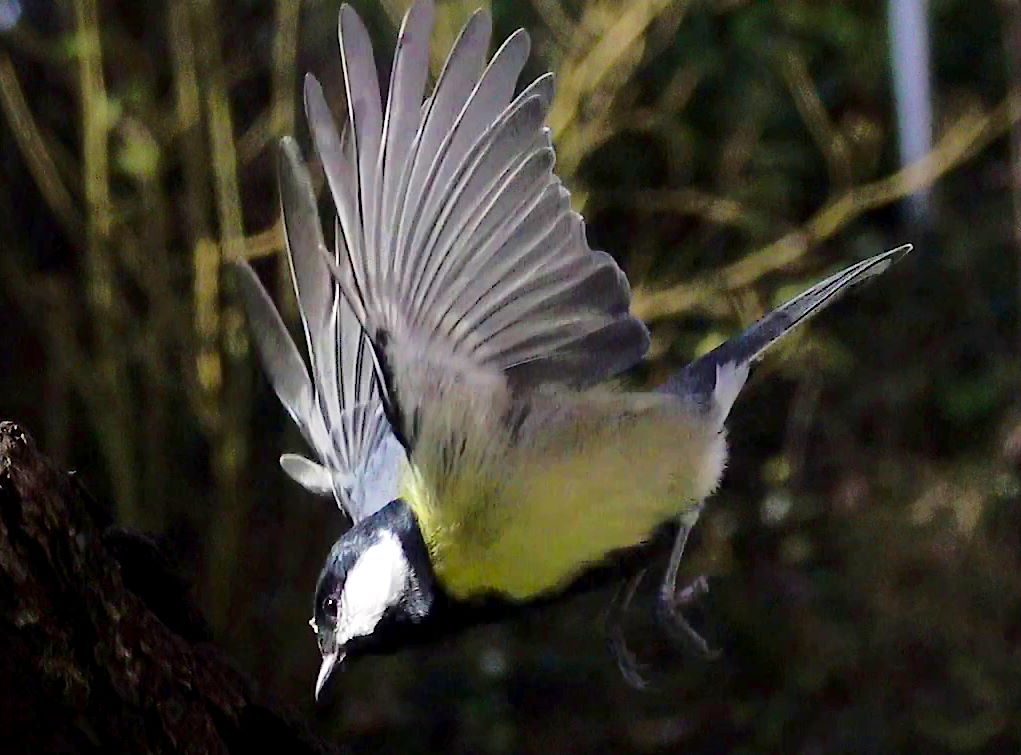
[897, 254]
[882, 262]
[902, 251]
[309, 80]
[253, 292]
[518, 37]
[241, 266]
[350, 15]
[292, 172]
[413, 17]
[297, 193]
[313, 476]
[288, 147]
[480, 16]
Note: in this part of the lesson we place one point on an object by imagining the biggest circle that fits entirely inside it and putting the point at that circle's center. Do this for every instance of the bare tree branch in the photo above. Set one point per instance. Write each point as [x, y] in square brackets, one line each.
[968, 135]
[34, 148]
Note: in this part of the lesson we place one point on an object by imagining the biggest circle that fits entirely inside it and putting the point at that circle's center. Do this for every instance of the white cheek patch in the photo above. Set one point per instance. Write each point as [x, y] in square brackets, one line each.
[374, 583]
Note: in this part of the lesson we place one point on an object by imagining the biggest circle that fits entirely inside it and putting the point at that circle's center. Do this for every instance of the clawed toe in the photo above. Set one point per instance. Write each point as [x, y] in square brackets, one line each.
[627, 661]
[695, 589]
[677, 626]
[672, 600]
[669, 611]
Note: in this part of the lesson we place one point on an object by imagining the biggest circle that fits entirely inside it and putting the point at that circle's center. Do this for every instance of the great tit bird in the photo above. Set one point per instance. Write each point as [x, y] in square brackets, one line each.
[460, 336]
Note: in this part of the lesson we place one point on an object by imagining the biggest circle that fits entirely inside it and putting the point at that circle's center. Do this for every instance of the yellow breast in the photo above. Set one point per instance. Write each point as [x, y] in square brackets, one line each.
[530, 522]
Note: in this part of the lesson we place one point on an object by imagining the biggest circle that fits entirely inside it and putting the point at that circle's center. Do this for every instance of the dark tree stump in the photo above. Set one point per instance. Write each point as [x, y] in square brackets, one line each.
[86, 665]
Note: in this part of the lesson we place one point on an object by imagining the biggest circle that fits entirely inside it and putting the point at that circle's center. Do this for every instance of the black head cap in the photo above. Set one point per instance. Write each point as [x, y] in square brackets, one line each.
[394, 519]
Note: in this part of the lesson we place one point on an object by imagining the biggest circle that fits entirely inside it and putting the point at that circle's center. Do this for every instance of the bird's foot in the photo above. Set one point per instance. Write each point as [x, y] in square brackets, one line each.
[627, 661]
[671, 615]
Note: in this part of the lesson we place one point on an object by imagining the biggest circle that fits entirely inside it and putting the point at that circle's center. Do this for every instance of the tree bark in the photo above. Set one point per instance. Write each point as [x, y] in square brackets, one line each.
[101, 650]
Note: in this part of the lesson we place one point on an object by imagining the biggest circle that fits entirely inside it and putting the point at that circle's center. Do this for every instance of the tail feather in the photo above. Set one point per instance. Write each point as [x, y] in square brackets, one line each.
[714, 380]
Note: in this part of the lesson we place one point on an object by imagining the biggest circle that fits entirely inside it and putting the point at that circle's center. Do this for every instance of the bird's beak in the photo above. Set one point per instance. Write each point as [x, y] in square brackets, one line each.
[330, 661]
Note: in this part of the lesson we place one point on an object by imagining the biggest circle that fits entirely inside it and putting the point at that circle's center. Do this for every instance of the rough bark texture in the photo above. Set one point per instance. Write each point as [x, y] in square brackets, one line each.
[94, 662]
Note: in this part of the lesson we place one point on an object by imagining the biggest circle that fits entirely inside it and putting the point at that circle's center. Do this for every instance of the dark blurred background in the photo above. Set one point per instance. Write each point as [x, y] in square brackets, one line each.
[865, 547]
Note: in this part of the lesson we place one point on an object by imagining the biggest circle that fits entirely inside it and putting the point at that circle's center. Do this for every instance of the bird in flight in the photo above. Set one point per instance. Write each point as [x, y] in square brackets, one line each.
[462, 338]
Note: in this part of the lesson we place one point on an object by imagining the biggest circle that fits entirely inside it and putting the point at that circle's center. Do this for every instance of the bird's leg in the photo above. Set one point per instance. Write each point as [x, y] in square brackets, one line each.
[672, 600]
[626, 660]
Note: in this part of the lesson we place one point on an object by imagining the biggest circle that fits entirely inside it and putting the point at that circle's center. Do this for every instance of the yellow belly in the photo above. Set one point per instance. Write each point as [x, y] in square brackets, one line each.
[556, 507]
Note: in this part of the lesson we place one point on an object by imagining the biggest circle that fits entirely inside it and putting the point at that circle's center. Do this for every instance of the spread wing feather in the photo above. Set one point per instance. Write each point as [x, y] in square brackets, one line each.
[338, 409]
[459, 249]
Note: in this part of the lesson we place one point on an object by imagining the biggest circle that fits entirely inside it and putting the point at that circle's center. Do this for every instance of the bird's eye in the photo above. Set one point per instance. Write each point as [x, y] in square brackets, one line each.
[330, 606]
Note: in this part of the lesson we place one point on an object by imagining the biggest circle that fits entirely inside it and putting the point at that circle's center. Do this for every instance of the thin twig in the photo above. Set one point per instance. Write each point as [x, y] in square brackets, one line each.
[595, 73]
[232, 433]
[114, 420]
[285, 52]
[968, 135]
[1011, 15]
[33, 147]
[806, 98]
[559, 24]
[692, 202]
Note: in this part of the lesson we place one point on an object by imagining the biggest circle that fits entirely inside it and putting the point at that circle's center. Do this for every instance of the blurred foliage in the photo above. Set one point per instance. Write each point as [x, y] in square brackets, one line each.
[865, 546]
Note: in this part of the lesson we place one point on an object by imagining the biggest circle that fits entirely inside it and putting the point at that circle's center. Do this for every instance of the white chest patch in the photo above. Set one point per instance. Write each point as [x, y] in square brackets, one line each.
[375, 582]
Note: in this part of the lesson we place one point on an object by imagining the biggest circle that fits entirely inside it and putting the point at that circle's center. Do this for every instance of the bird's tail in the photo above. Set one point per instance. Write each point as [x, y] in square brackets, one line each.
[714, 380]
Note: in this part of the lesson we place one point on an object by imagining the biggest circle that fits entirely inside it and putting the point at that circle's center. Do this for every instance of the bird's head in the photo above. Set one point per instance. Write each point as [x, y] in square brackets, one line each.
[375, 585]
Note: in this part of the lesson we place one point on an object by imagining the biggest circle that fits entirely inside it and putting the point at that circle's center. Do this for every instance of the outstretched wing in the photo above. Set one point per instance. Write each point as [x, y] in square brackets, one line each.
[459, 252]
[338, 410]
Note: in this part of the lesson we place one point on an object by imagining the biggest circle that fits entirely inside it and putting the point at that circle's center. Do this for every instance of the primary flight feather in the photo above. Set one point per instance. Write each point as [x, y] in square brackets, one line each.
[459, 337]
